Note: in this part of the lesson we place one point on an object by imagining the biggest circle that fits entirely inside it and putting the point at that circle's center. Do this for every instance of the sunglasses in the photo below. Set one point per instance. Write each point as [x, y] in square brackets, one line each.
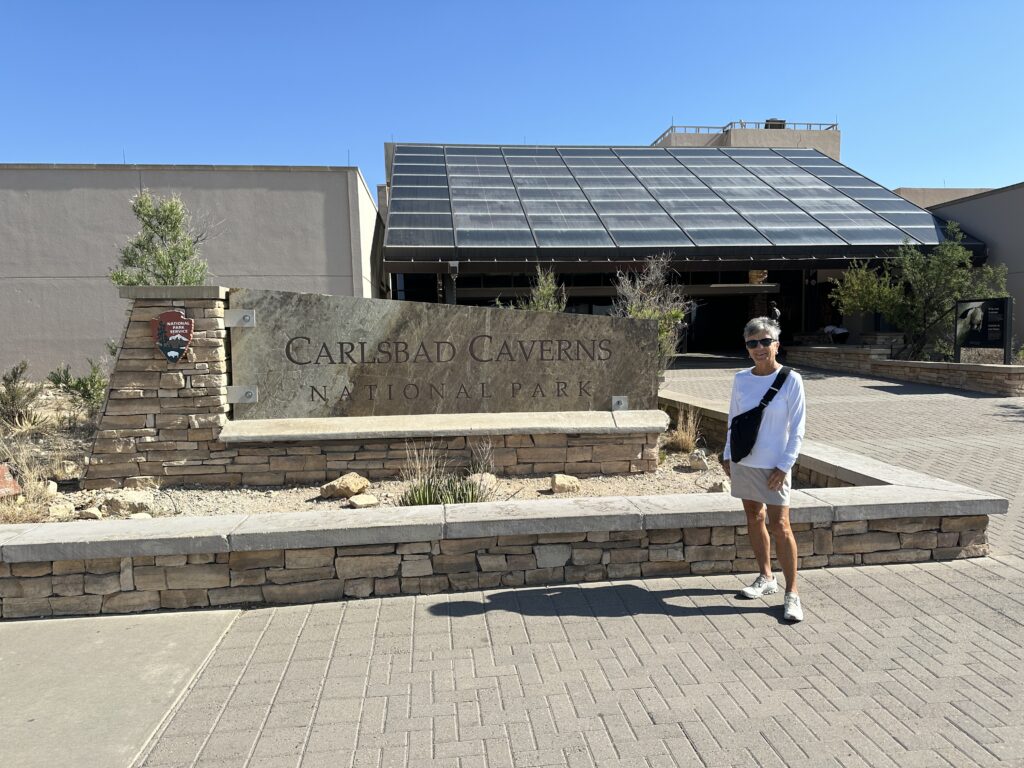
[752, 343]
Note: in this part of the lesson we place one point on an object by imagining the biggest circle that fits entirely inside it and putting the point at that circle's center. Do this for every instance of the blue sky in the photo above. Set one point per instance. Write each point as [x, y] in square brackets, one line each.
[926, 93]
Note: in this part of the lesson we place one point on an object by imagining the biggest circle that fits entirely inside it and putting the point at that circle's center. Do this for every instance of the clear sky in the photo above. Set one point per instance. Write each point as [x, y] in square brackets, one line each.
[926, 93]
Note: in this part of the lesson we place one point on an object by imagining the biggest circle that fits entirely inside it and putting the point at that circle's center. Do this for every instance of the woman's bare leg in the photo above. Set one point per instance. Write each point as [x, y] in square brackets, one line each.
[785, 543]
[758, 533]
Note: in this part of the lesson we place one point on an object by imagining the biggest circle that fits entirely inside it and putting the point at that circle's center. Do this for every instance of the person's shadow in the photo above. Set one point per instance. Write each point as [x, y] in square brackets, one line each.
[614, 600]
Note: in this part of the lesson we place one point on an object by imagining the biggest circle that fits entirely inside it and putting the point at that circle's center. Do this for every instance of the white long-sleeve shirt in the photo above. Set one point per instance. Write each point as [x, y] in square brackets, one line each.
[782, 424]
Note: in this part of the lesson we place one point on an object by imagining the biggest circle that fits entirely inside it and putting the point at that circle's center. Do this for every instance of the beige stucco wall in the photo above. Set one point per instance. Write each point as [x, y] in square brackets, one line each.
[995, 218]
[826, 142]
[296, 229]
[926, 197]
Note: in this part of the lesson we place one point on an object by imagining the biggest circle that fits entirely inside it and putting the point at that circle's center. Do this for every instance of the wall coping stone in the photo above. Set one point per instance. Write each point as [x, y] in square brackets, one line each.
[512, 518]
[195, 292]
[442, 425]
[298, 530]
[691, 510]
[854, 351]
[339, 528]
[121, 538]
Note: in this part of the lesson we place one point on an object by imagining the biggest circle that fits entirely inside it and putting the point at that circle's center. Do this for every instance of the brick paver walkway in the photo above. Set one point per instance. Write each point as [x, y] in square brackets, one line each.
[904, 665]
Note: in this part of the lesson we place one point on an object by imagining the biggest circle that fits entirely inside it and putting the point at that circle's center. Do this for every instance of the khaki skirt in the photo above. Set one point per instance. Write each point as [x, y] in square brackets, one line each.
[751, 483]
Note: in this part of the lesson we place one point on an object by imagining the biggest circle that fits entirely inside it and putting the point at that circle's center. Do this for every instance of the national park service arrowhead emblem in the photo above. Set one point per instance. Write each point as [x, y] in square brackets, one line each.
[172, 332]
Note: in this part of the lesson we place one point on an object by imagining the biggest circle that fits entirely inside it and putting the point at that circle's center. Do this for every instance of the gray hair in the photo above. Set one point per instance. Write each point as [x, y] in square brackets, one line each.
[762, 325]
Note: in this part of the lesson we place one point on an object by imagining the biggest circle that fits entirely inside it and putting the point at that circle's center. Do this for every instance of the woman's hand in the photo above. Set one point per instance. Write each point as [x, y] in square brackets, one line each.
[726, 468]
[776, 479]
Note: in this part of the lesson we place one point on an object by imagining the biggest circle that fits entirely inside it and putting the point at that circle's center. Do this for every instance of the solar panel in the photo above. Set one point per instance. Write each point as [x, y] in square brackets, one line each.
[448, 198]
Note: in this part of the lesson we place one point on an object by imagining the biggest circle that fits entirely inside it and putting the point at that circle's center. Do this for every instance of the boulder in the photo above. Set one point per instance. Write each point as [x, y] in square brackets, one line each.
[90, 513]
[722, 486]
[698, 460]
[363, 500]
[345, 487]
[140, 516]
[565, 484]
[51, 489]
[61, 510]
[8, 485]
[128, 502]
[488, 483]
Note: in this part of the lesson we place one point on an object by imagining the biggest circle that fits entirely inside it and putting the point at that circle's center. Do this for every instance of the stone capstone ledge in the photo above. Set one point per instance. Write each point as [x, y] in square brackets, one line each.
[442, 425]
[396, 525]
[174, 292]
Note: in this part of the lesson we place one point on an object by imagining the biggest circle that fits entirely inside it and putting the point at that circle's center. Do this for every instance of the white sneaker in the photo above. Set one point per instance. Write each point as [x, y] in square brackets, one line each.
[762, 586]
[792, 610]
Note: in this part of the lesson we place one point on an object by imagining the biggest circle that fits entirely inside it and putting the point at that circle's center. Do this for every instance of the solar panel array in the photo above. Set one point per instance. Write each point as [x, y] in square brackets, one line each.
[517, 197]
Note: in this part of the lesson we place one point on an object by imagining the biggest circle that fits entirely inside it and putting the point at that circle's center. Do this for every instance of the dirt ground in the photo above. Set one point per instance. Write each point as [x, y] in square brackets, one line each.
[673, 476]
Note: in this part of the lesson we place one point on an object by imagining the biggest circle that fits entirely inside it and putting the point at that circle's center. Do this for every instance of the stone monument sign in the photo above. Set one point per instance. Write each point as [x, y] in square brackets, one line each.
[312, 355]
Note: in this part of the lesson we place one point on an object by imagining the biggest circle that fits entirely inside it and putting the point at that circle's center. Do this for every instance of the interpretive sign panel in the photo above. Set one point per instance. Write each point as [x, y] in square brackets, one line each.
[983, 323]
[312, 355]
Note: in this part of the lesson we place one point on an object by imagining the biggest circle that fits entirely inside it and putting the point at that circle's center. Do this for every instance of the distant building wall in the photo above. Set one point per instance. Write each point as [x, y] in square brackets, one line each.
[826, 142]
[995, 217]
[926, 197]
[296, 229]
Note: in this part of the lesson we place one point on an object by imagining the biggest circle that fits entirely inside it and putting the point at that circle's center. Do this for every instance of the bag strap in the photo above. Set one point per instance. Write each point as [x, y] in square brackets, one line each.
[773, 390]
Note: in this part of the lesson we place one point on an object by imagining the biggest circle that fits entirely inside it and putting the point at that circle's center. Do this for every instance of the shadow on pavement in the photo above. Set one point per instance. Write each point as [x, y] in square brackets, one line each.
[605, 602]
[1012, 411]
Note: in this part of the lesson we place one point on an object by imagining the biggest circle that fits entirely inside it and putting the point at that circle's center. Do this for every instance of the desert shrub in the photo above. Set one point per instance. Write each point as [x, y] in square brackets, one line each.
[87, 392]
[430, 480]
[19, 401]
[32, 468]
[685, 436]
[650, 294]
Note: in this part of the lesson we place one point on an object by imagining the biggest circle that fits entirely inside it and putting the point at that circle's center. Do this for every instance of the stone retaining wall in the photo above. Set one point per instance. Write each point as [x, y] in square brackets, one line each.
[1006, 380]
[162, 422]
[150, 582]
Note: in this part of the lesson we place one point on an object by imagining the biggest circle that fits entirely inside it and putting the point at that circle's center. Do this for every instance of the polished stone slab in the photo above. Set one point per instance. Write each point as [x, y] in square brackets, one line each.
[311, 355]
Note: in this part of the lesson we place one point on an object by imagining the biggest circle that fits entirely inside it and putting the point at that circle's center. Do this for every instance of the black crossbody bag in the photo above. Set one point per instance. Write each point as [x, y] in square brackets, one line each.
[744, 426]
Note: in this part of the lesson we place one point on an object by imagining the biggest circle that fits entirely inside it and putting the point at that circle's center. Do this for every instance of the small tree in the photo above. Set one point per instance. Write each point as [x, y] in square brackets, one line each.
[916, 292]
[649, 295]
[166, 249]
[546, 295]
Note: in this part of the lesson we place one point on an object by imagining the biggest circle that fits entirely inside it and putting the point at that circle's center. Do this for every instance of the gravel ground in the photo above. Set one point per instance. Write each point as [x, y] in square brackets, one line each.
[673, 476]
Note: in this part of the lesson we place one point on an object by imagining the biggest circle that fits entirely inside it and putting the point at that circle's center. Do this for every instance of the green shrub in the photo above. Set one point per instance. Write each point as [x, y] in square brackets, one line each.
[19, 399]
[88, 392]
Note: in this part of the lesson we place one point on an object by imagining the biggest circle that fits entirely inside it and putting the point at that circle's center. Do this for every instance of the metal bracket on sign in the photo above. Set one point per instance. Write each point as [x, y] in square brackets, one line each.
[243, 394]
[620, 403]
[239, 318]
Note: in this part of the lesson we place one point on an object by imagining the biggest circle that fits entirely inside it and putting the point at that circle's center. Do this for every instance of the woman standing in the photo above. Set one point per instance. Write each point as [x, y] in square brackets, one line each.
[762, 478]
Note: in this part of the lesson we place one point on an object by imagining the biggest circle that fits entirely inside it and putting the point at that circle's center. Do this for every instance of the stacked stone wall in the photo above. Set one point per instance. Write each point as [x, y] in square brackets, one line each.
[278, 576]
[1006, 380]
[161, 419]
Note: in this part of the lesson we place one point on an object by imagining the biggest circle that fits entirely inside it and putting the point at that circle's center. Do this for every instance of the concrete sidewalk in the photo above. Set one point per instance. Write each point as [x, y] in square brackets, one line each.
[91, 692]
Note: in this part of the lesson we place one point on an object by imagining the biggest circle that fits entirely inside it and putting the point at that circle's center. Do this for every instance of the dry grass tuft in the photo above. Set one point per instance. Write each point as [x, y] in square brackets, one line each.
[685, 436]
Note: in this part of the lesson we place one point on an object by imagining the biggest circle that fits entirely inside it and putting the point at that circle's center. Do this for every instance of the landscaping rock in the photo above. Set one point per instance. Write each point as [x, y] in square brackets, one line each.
[51, 489]
[363, 500]
[8, 485]
[61, 510]
[345, 487]
[90, 513]
[565, 484]
[722, 486]
[699, 460]
[128, 502]
[488, 482]
[140, 516]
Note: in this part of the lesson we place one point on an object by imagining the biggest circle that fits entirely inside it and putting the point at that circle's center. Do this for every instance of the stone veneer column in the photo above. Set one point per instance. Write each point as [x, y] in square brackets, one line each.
[161, 420]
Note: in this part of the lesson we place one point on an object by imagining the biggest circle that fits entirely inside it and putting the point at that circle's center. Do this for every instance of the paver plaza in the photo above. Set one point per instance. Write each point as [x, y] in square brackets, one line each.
[903, 665]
